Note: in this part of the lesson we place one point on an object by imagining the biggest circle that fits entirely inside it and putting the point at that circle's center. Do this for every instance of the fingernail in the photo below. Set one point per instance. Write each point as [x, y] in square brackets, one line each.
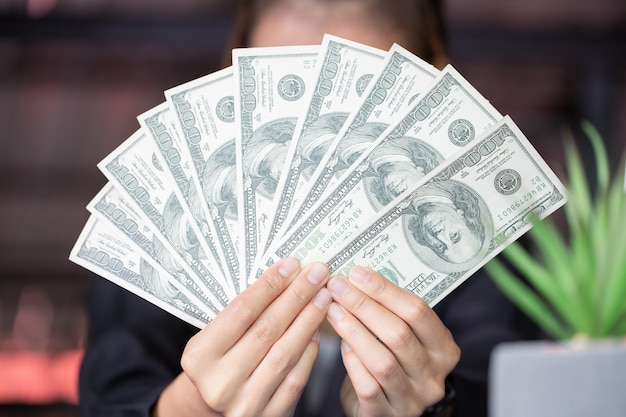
[335, 312]
[338, 286]
[316, 336]
[360, 274]
[288, 266]
[322, 299]
[345, 346]
[317, 274]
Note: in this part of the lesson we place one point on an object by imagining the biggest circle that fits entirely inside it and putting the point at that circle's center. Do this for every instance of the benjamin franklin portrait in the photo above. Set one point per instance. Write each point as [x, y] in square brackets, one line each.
[315, 141]
[449, 225]
[219, 181]
[396, 166]
[265, 154]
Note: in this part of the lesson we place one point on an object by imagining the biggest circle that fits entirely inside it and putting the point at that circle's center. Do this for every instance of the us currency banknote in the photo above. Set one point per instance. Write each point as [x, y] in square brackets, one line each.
[340, 153]
[445, 117]
[270, 84]
[110, 207]
[161, 125]
[344, 70]
[434, 236]
[134, 169]
[205, 110]
[402, 78]
[109, 254]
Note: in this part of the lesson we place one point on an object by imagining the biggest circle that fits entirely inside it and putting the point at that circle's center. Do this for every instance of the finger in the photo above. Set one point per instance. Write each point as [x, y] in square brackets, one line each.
[379, 361]
[381, 385]
[399, 363]
[245, 309]
[390, 329]
[426, 364]
[284, 400]
[283, 368]
[423, 321]
[277, 317]
[362, 395]
[204, 356]
[423, 372]
[285, 352]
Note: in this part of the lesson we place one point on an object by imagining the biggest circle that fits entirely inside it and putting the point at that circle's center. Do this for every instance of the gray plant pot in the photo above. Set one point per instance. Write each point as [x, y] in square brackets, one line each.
[550, 379]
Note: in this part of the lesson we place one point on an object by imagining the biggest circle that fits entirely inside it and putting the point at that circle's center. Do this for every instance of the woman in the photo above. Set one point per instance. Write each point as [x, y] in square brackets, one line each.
[256, 357]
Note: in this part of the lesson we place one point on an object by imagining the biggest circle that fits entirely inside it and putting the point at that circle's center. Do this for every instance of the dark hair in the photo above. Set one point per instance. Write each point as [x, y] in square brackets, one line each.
[424, 22]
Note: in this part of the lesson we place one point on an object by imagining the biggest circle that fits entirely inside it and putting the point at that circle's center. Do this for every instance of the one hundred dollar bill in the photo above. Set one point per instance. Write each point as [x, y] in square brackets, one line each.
[345, 68]
[445, 117]
[111, 255]
[110, 207]
[161, 125]
[433, 237]
[389, 93]
[205, 110]
[270, 84]
[133, 167]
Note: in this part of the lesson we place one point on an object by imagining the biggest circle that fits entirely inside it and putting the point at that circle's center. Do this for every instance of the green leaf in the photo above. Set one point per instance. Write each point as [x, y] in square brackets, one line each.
[599, 237]
[575, 284]
[582, 252]
[541, 280]
[526, 300]
[579, 196]
[617, 194]
[601, 158]
[618, 328]
[614, 304]
[554, 253]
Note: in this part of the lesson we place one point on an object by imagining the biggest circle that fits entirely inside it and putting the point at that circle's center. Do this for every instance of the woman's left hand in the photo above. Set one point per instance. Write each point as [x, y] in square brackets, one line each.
[396, 350]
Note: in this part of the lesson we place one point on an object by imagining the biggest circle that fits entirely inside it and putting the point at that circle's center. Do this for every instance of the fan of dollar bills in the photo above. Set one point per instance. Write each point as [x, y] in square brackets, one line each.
[339, 152]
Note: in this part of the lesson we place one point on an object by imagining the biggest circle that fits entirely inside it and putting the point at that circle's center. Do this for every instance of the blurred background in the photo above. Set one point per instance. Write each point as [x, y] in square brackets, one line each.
[74, 74]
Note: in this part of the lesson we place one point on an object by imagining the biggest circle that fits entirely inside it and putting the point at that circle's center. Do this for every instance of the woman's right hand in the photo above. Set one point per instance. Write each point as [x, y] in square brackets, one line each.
[256, 356]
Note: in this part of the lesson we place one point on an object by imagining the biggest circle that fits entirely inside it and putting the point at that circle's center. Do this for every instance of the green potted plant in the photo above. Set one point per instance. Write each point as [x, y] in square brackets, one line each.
[575, 278]
[571, 281]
